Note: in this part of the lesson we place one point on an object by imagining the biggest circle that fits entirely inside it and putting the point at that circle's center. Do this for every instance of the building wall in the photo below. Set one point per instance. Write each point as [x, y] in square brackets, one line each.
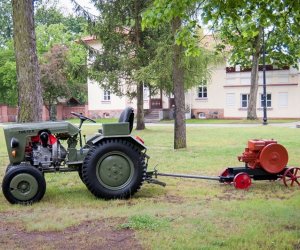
[224, 90]
[283, 85]
[213, 105]
[9, 114]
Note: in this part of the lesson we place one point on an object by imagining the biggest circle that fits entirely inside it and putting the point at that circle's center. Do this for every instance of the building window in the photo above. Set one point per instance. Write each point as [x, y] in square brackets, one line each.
[244, 100]
[283, 99]
[202, 90]
[106, 95]
[268, 101]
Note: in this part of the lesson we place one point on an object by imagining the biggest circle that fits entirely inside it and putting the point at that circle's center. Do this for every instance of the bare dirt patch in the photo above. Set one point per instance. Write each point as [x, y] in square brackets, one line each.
[100, 234]
[169, 199]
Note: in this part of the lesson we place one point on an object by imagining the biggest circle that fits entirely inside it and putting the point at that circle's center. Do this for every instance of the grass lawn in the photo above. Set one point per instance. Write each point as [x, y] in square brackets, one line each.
[232, 121]
[186, 214]
[203, 121]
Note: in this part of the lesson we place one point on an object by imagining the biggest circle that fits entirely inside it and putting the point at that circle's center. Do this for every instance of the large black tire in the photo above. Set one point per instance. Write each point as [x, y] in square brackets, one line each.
[9, 167]
[23, 184]
[114, 169]
[80, 173]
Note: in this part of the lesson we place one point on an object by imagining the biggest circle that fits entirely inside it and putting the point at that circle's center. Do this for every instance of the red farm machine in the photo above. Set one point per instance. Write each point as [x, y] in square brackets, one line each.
[264, 160]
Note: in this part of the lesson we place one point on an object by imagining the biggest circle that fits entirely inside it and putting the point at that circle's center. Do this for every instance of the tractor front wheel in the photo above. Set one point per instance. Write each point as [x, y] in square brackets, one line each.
[114, 169]
[23, 184]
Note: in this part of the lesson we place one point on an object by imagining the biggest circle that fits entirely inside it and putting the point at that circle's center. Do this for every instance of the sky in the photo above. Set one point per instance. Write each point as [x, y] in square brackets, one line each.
[67, 6]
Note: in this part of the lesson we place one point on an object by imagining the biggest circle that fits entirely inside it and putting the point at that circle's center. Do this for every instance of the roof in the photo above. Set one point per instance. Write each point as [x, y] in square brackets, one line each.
[89, 38]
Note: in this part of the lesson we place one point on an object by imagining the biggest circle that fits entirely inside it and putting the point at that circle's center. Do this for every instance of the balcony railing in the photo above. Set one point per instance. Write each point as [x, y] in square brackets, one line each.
[260, 68]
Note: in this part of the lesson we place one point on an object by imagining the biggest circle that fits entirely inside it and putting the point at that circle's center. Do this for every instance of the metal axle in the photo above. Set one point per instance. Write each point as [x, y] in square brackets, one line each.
[189, 176]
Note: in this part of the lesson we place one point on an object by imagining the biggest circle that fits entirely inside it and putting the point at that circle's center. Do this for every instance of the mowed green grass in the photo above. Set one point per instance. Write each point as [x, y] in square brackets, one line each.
[201, 121]
[186, 214]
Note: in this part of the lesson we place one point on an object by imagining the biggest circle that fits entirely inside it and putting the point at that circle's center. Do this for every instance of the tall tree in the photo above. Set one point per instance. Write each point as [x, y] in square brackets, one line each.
[125, 50]
[178, 85]
[8, 77]
[30, 102]
[54, 78]
[5, 22]
[177, 13]
[160, 69]
[46, 14]
[242, 25]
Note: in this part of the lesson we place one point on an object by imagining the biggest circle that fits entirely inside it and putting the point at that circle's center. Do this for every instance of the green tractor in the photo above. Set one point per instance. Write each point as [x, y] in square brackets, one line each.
[112, 163]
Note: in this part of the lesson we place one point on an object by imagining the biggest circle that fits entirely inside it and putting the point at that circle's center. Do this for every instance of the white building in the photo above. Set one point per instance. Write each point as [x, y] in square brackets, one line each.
[225, 95]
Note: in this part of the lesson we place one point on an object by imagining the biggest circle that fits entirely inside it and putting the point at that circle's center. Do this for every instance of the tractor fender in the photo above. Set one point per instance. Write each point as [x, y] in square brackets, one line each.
[129, 138]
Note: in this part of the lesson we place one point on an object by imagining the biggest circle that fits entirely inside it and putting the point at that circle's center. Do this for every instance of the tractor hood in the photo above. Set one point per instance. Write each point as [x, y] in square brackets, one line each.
[31, 129]
[18, 133]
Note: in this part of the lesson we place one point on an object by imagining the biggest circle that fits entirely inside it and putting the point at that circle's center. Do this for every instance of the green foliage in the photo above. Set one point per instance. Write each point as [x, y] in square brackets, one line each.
[75, 68]
[63, 73]
[77, 71]
[50, 35]
[52, 28]
[126, 49]
[240, 22]
[8, 76]
[145, 222]
[159, 70]
[164, 11]
[45, 15]
[53, 75]
[5, 22]
[48, 15]
[245, 25]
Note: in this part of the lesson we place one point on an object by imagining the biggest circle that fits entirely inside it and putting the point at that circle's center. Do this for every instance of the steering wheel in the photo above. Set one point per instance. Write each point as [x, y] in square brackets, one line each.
[82, 117]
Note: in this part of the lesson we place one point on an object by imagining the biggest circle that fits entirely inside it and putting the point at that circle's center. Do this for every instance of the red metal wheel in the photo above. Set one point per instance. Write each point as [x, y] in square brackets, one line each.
[242, 181]
[291, 176]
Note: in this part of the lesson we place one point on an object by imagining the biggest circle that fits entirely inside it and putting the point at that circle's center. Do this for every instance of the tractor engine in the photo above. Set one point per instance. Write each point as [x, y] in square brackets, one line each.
[266, 154]
[45, 150]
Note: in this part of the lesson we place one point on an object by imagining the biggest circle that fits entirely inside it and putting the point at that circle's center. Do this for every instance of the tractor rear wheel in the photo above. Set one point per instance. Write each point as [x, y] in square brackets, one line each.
[80, 174]
[114, 169]
[23, 184]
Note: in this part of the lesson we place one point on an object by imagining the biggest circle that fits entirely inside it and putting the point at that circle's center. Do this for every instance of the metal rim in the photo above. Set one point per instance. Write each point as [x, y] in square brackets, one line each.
[115, 170]
[23, 187]
[242, 181]
[291, 176]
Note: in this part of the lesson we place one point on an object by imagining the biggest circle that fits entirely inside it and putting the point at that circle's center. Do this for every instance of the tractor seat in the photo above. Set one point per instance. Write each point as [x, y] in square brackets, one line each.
[127, 115]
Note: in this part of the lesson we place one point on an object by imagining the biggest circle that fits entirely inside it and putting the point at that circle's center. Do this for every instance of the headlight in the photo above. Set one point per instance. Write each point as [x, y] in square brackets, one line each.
[14, 143]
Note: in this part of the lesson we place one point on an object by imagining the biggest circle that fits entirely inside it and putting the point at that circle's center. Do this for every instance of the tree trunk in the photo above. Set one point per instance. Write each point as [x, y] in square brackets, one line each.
[251, 112]
[52, 112]
[140, 122]
[178, 85]
[30, 102]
